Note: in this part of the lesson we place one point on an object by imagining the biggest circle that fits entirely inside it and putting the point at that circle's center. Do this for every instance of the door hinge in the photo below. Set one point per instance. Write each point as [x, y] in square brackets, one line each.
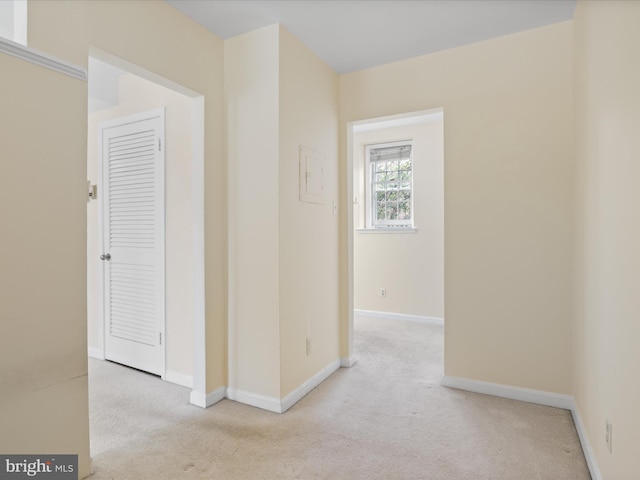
[160, 338]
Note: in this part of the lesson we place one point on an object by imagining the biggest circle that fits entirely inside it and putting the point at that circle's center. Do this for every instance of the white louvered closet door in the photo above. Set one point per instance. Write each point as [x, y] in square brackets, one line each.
[133, 240]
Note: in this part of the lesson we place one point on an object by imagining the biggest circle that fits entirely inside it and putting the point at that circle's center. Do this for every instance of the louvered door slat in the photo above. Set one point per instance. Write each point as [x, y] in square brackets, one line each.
[133, 181]
[133, 173]
[130, 162]
[144, 176]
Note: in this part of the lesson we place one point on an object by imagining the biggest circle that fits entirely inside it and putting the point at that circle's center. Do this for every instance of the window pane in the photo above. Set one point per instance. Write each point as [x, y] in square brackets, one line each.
[392, 196]
[405, 164]
[405, 186]
[392, 186]
[405, 175]
[378, 187]
[404, 211]
[404, 195]
[381, 177]
[380, 211]
[392, 211]
[393, 165]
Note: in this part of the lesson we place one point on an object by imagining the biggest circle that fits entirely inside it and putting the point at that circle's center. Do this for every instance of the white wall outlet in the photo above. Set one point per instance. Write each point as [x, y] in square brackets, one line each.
[308, 346]
[383, 292]
[608, 435]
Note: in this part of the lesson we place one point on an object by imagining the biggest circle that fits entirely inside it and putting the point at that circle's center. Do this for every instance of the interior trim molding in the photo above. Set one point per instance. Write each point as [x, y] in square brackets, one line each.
[205, 401]
[348, 362]
[178, 378]
[401, 316]
[96, 353]
[586, 445]
[296, 395]
[270, 404]
[539, 397]
[42, 59]
[273, 404]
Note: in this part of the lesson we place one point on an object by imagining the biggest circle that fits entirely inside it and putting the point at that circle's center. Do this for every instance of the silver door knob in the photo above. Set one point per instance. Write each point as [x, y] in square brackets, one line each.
[106, 256]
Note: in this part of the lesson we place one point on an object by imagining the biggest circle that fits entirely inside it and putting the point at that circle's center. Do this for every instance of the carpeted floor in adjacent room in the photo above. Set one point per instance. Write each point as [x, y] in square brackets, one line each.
[385, 418]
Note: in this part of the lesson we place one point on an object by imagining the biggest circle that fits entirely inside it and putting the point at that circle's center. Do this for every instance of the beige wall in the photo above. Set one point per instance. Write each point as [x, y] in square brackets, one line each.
[251, 80]
[137, 95]
[508, 210]
[607, 236]
[142, 33]
[508, 148]
[283, 253]
[145, 36]
[43, 349]
[410, 266]
[308, 93]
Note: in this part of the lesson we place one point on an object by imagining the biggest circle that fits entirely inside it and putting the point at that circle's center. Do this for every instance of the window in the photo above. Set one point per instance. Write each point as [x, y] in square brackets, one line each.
[390, 185]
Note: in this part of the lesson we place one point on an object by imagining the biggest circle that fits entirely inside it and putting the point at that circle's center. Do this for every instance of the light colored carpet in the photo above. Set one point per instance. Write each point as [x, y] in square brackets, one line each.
[385, 418]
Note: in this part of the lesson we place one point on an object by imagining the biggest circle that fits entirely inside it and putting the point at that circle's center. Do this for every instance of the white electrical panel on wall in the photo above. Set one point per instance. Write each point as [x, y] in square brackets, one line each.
[311, 176]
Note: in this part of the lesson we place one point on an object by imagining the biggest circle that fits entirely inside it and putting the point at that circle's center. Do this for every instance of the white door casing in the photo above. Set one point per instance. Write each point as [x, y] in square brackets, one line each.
[133, 240]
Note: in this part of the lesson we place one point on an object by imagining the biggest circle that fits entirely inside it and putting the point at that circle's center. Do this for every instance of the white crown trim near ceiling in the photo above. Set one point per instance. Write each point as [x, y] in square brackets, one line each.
[42, 59]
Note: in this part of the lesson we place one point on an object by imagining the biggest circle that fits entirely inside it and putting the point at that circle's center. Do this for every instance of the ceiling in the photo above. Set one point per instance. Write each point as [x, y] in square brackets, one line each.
[351, 35]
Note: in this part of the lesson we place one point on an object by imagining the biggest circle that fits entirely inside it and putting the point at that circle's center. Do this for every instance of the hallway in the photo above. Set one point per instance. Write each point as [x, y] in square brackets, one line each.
[386, 417]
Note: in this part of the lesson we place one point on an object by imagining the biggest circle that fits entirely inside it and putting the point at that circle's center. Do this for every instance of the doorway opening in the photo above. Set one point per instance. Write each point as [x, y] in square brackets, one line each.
[123, 93]
[395, 177]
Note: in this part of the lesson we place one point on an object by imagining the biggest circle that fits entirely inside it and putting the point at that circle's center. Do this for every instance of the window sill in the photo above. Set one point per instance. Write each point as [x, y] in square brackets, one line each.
[386, 230]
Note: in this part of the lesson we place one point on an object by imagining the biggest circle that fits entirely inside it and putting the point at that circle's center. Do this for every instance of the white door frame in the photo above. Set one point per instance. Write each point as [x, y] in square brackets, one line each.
[198, 393]
[348, 358]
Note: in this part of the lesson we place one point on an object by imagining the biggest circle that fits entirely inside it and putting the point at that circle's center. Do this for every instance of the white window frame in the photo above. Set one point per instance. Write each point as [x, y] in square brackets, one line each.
[371, 217]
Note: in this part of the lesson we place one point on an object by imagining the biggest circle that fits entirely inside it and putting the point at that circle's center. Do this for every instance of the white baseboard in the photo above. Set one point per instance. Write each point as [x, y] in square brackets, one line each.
[505, 391]
[205, 401]
[296, 395]
[348, 362]
[401, 316]
[586, 445]
[96, 353]
[270, 404]
[178, 378]
[539, 397]
[273, 404]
